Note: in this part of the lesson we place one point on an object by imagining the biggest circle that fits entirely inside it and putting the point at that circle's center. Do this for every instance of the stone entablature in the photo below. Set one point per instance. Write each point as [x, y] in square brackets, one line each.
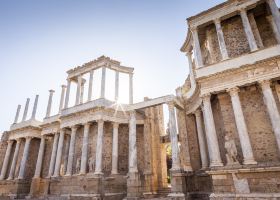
[27, 131]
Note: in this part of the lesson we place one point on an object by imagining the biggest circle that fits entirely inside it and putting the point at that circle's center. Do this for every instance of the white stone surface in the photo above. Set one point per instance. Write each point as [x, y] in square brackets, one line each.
[71, 151]
[59, 153]
[14, 162]
[132, 144]
[99, 147]
[24, 158]
[6, 160]
[85, 149]
[115, 148]
[39, 163]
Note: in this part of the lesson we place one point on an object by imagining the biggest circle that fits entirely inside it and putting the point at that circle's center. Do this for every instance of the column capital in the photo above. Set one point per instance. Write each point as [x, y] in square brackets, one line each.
[87, 124]
[28, 138]
[198, 112]
[217, 21]
[74, 128]
[51, 91]
[242, 10]
[63, 86]
[116, 124]
[171, 104]
[193, 29]
[10, 141]
[18, 140]
[206, 97]
[233, 91]
[265, 84]
[100, 121]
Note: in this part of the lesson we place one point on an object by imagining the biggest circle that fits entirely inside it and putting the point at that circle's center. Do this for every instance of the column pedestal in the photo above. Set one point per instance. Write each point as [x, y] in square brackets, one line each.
[178, 185]
[133, 186]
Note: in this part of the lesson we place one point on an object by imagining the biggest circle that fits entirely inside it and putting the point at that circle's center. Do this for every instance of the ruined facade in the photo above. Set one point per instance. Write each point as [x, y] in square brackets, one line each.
[223, 128]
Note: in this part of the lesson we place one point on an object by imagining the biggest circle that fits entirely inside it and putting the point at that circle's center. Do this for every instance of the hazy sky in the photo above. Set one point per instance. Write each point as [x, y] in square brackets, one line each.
[41, 40]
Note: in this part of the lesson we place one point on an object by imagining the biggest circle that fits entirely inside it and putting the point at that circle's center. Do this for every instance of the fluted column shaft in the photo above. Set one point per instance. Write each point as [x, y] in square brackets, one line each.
[173, 138]
[221, 39]
[248, 30]
[24, 158]
[211, 135]
[117, 86]
[90, 85]
[53, 155]
[115, 148]
[197, 49]
[59, 153]
[131, 88]
[192, 79]
[275, 13]
[71, 151]
[6, 160]
[62, 96]
[103, 83]
[272, 109]
[67, 93]
[25, 109]
[40, 158]
[78, 92]
[48, 112]
[274, 28]
[132, 143]
[34, 111]
[15, 159]
[99, 147]
[85, 149]
[17, 114]
[201, 139]
[241, 127]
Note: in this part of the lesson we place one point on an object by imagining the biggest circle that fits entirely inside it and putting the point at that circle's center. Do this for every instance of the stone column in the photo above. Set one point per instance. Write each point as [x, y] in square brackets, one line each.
[82, 92]
[221, 39]
[40, 158]
[14, 162]
[84, 159]
[24, 158]
[25, 109]
[35, 107]
[59, 153]
[248, 30]
[67, 93]
[241, 128]
[192, 79]
[71, 151]
[275, 13]
[48, 112]
[201, 139]
[255, 29]
[90, 85]
[78, 92]
[211, 135]
[132, 143]
[131, 88]
[274, 28]
[53, 155]
[99, 148]
[6, 160]
[197, 49]
[62, 96]
[271, 108]
[17, 114]
[117, 86]
[103, 82]
[115, 148]
[173, 138]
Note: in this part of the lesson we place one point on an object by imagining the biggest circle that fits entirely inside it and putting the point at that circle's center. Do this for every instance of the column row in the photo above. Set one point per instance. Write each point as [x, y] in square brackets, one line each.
[210, 130]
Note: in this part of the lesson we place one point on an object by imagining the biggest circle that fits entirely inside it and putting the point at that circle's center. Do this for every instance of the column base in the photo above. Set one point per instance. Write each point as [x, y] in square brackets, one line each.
[177, 196]
[178, 182]
[249, 162]
[216, 164]
[133, 186]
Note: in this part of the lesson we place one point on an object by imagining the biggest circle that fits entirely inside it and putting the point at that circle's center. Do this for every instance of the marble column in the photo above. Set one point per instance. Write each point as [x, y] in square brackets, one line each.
[84, 159]
[275, 13]
[71, 151]
[132, 144]
[99, 147]
[82, 93]
[24, 158]
[173, 138]
[201, 139]
[103, 82]
[130, 88]
[62, 96]
[48, 112]
[211, 135]
[117, 86]
[35, 107]
[90, 85]
[25, 109]
[14, 162]
[197, 49]
[53, 155]
[248, 30]
[67, 93]
[78, 92]
[115, 148]
[192, 79]
[274, 28]
[255, 29]
[59, 153]
[17, 114]
[6, 160]
[221, 39]
[271, 108]
[40, 158]
[241, 128]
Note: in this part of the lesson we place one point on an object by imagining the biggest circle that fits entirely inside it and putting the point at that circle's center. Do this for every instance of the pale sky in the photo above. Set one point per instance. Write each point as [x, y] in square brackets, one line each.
[41, 40]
